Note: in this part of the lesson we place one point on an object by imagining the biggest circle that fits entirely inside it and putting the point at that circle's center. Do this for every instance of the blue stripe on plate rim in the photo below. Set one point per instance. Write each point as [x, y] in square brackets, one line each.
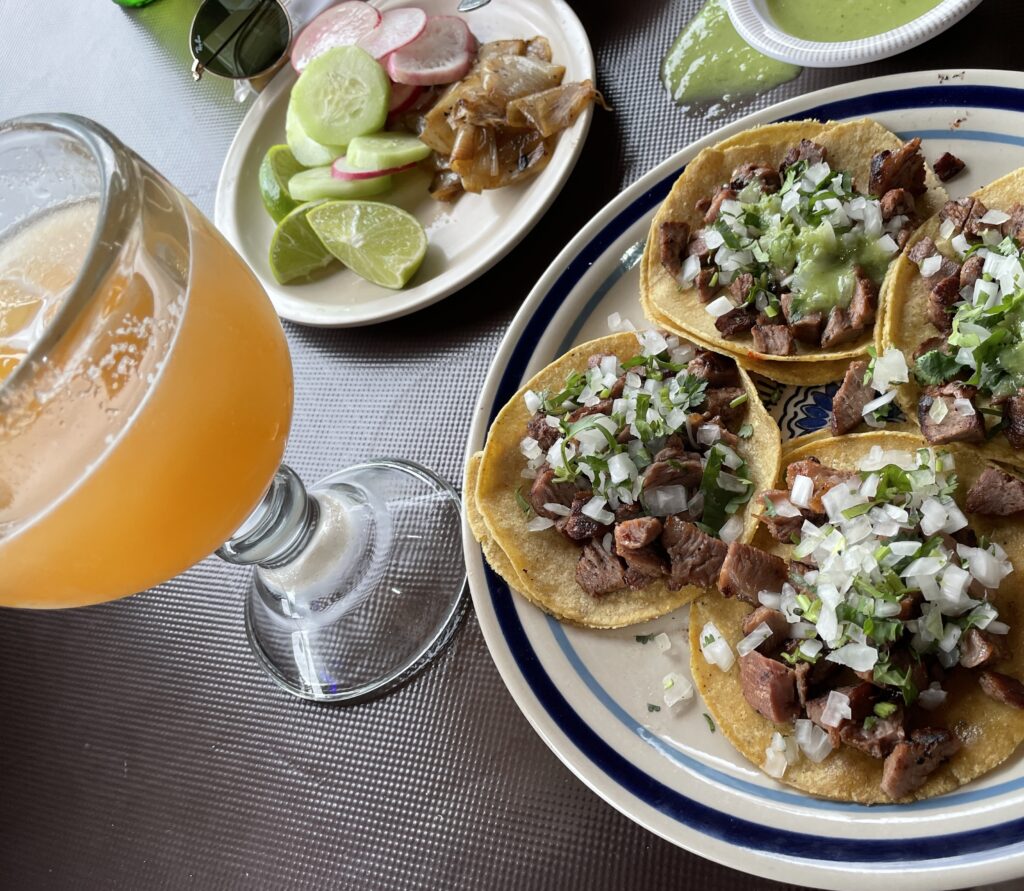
[950, 848]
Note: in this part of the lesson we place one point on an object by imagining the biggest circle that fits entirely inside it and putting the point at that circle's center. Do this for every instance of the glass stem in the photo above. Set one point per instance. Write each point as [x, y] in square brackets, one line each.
[279, 528]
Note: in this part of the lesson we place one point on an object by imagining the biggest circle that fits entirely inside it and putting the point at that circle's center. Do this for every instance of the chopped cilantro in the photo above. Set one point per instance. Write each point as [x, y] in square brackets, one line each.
[739, 400]
[524, 505]
[644, 638]
[885, 709]
[936, 367]
[711, 724]
[651, 707]
[746, 431]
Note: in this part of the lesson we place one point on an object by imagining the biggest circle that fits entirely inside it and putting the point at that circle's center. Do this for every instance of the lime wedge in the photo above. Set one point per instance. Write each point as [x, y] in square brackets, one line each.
[278, 166]
[341, 94]
[380, 242]
[383, 150]
[295, 249]
[311, 185]
[306, 149]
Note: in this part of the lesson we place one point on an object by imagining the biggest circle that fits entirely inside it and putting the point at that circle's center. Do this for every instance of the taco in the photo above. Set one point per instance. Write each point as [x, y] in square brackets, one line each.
[875, 622]
[773, 248]
[610, 478]
[954, 306]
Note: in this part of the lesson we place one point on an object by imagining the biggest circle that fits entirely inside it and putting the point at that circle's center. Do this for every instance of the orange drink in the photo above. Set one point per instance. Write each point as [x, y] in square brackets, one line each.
[145, 394]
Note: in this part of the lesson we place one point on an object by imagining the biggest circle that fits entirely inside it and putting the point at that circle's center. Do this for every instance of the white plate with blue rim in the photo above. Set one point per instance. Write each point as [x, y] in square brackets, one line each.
[465, 237]
[586, 692]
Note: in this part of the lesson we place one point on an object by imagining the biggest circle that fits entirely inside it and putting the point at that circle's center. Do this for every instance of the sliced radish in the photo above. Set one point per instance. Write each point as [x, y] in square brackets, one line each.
[341, 169]
[443, 53]
[403, 96]
[341, 25]
[397, 28]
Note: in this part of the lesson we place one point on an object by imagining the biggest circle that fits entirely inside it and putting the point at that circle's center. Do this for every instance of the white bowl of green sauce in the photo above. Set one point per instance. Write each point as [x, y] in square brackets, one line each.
[834, 33]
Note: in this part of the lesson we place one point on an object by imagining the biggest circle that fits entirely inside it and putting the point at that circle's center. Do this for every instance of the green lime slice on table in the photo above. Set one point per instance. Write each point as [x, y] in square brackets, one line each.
[306, 149]
[341, 94]
[379, 151]
[278, 166]
[295, 249]
[382, 243]
[312, 185]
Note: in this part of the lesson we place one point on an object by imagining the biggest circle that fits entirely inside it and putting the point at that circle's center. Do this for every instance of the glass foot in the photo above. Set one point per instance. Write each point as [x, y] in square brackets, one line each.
[377, 588]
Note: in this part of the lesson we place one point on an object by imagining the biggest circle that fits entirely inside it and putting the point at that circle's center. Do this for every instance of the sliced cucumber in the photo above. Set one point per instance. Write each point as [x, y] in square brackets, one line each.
[341, 94]
[311, 185]
[307, 150]
[382, 150]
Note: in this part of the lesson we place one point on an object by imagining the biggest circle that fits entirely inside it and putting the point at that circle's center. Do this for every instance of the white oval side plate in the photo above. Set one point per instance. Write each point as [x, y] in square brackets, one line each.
[465, 237]
[586, 692]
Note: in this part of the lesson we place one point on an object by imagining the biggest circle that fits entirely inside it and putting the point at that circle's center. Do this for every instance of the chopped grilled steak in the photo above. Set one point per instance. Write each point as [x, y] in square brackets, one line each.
[864, 302]
[764, 319]
[896, 202]
[780, 528]
[861, 696]
[913, 760]
[747, 173]
[673, 237]
[638, 533]
[678, 469]
[769, 687]
[598, 572]
[970, 272]
[705, 290]
[698, 247]
[954, 427]
[941, 301]
[910, 606]
[996, 494]
[1002, 688]
[723, 194]
[775, 620]
[932, 343]
[540, 430]
[877, 739]
[850, 399]
[839, 329]
[962, 211]
[736, 321]
[805, 151]
[546, 490]
[806, 329]
[648, 562]
[900, 169]
[810, 678]
[748, 570]
[739, 287]
[724, 433]
[702, 205]
[716, 369]
[695, 557]
[922, 250]
[578, 526]
[627, 512]
[948, 166]
[719, 404]
[979, 648]
[604, 407]
[904, 234]
[1013, 419]
[824, 478]
[774, 340]
[1014, 227]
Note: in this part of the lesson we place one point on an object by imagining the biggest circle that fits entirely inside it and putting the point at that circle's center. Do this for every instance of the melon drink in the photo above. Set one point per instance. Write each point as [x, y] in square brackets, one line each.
[145, 386]
[145, 399]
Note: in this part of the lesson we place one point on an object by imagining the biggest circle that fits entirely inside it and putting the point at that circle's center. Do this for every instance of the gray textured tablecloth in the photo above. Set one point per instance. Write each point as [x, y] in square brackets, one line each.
[140, 745]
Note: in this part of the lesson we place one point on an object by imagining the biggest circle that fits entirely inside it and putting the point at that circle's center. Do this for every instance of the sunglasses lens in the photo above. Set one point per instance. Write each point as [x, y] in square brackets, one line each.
[240, 38]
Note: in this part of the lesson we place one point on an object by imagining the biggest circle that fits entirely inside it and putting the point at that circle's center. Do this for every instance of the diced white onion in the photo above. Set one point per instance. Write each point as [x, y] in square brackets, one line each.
[537, 524]
[715, 648]
[950, 637]
[556, 508]
[930, 265]
[947, 228]
[677, 688]
[651, 342]
[620, 468]
[719, 306]
[931, 698]
[996, 627]
[607, 542]
[691, 267]
[595, 509]
[753, 640]
[813, 741]
[801, 630]
[811, 648]
[769, 599]
[963, 407]
[803, 489]
[775, 763]
[888, 244]
[938, 410]
[729, 458]
[708, 434]
[731, 529]
[533, 401]
[785, 508]
[876, 404]
[713, 239]
[662, 642]
[859, 657]
[987, 568]
[662, 501]
[731, 483]
[960, 244]
[837, 709]
[995, 217]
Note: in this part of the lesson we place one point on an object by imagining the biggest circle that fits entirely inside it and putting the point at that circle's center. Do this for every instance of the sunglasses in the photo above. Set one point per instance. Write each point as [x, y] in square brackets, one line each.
[239, 39]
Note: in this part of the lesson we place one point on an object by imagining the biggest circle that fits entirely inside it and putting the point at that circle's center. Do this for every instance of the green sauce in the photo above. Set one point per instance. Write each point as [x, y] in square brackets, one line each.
[834, 20]
[710, 62]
